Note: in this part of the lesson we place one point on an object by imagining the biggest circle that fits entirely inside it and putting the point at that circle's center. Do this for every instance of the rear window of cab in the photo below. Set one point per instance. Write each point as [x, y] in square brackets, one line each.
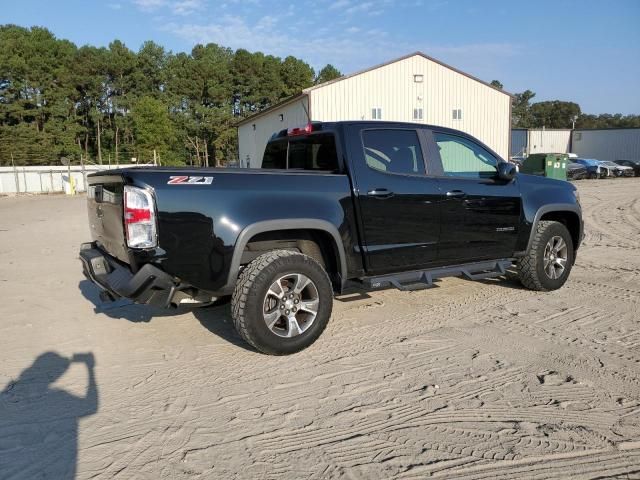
[310, 152]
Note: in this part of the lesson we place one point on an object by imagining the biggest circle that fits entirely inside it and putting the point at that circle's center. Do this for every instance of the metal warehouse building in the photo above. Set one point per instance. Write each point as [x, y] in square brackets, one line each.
[607, 144]
[603, 144]
[413, 88]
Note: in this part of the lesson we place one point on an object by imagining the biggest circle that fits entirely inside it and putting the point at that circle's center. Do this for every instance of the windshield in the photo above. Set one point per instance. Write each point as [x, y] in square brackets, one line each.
[588, 161]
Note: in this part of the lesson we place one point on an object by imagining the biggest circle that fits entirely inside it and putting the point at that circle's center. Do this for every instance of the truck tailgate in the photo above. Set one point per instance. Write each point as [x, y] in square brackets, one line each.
[105, 208]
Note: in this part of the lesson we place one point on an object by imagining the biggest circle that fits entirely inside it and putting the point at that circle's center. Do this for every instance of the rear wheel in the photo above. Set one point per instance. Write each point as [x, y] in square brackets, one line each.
[550, 258]
[282, 302]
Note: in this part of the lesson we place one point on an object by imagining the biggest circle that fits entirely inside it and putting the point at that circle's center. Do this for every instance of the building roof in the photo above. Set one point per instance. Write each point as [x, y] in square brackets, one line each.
[360, 72]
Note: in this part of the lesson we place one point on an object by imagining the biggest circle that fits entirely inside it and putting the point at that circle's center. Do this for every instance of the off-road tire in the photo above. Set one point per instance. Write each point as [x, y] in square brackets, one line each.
[531, 266]
[247, 302]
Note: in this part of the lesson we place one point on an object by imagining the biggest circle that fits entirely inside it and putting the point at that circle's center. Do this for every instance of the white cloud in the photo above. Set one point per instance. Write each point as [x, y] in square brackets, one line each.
[339, 4]
[330, 36]
[177, 7]
[360, 7]
[233, 31]
[186, 7]
[149, 5]
[350, 50]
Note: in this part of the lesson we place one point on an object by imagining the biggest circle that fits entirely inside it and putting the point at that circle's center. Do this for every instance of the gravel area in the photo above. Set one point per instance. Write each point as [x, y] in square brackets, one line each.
[466, 380]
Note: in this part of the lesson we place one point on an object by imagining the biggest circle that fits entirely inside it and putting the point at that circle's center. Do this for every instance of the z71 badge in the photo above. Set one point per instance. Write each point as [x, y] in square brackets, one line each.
[184, 180]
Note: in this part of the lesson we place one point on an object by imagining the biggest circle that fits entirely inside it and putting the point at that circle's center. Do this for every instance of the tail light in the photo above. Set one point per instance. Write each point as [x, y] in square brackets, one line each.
[139, 218]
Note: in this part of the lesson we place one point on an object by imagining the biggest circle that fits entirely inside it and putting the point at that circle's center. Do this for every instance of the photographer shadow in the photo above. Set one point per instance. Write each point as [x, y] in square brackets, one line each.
[39, 423]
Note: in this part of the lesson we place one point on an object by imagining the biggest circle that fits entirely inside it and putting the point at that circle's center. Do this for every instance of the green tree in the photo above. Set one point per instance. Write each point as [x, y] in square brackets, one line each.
[496, 84]
[607, 120]
[554, 114]
[153, 130]
[520, 113]
[327, 73]
[296, 75]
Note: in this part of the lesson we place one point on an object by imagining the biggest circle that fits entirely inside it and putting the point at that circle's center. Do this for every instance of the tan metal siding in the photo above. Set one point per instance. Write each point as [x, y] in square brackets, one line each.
[549, 141]
[251, 142]
[607, 144]
[485, 111]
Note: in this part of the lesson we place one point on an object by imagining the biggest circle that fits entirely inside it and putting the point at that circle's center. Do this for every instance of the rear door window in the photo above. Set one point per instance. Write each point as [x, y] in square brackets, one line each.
[393, 151]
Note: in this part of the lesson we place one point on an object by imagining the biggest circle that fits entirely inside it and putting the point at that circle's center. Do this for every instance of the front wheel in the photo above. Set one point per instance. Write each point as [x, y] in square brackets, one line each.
[548, 262]
[282, 302]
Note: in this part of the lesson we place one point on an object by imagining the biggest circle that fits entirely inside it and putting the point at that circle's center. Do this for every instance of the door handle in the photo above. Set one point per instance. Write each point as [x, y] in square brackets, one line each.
[380, 193]
[456, 194]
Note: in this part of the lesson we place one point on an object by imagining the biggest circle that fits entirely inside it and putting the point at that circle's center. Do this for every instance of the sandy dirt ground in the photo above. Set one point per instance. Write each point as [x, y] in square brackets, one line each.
[466, 380]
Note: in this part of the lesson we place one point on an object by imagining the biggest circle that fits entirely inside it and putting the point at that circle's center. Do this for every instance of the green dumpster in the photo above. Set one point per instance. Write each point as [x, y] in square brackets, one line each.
[552, 165]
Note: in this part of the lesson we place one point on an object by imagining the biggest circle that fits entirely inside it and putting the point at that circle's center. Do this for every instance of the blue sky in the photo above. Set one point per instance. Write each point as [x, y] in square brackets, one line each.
[586, 51]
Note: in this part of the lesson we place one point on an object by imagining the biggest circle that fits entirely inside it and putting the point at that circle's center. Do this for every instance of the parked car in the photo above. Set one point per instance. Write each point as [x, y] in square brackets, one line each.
[618, 170]
[611, 169]
[633, 164]
[517, 160]
[576, 171]
[594, 170]
[339, 206]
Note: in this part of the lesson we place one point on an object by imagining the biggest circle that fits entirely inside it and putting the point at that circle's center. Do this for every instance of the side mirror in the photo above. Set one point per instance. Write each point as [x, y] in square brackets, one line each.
[506, 171]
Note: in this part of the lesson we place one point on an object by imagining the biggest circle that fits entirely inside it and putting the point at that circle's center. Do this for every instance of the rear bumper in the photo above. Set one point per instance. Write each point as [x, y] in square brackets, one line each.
[149, 285]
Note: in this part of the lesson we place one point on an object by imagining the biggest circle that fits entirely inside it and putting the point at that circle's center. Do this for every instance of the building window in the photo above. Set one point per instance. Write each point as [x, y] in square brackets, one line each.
[578, 136]
[281, 117]
[418, 78]
[376, 113]
[457, 114]
[417, 114]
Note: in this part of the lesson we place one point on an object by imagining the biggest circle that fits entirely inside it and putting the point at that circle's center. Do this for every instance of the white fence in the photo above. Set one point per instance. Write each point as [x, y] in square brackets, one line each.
[47, 179]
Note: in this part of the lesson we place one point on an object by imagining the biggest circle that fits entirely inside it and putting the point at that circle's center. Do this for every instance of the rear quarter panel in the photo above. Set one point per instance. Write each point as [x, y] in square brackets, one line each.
[199, 224]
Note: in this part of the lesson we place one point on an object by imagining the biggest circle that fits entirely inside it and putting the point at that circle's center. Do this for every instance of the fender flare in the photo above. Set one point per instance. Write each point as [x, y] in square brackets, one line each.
[286, 224]
[552, 207]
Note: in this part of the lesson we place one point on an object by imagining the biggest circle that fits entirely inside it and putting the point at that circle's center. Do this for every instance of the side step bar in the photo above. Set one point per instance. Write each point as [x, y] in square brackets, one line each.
[421, 279]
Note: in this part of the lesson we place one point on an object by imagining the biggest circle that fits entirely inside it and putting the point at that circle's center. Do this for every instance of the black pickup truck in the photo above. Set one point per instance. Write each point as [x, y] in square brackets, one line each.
[336, 206]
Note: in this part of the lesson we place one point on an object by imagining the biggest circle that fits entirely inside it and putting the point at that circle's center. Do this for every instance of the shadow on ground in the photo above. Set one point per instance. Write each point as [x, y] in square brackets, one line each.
[216, 318]
[39, 422]
[510, 280]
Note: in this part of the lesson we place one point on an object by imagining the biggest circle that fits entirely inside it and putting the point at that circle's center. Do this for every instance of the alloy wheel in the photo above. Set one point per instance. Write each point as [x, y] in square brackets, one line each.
[555, 257]
[291, 305]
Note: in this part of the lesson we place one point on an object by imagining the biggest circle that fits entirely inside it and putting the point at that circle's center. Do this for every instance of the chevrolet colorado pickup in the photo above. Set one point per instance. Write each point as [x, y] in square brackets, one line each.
[337, 205]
